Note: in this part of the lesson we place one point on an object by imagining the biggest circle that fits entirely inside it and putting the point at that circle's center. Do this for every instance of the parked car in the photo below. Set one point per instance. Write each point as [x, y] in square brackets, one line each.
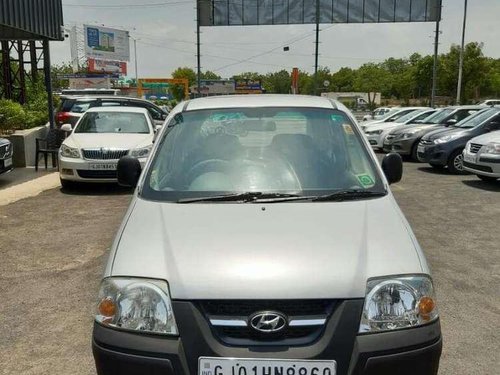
[377, 114]
[444, 147]
[100, 138]
[391, 117]
[6, 152]
[73, 107]
[405, 139]
[482, 156]
[263, 238]
[377, 132]
[490, 102]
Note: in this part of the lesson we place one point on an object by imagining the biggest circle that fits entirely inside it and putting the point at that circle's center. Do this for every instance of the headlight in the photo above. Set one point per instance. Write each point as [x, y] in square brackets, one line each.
[399, 302]
[374, 132]
[446, 138]
[69, 152]
[408, 135]
[493, 148]
[141, 152]
[136, 305]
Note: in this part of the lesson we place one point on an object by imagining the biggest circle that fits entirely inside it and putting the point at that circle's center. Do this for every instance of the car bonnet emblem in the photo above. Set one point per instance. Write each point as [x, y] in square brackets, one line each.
[268, 321]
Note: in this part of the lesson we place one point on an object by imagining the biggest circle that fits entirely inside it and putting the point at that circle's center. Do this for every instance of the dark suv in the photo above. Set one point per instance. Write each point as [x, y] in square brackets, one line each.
[73, 107]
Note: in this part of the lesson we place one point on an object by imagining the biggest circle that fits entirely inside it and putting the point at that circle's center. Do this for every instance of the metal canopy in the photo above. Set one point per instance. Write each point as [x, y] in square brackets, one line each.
[31, 20]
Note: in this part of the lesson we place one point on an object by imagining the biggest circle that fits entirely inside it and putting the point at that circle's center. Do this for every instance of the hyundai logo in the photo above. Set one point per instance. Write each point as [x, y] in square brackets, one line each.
[268, 321]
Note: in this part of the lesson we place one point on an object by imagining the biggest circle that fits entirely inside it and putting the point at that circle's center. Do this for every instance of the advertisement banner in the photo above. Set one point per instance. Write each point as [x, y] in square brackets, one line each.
[248, 86]
[215, 87]
[106, 44]
[107, 66]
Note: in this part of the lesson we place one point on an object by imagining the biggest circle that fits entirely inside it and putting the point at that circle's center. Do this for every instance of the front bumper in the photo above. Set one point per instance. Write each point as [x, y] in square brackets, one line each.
[6, 165]
[433, 154]
[79, 170]
[410, 352]
[482, 164]
[401, 146]
[375, 140]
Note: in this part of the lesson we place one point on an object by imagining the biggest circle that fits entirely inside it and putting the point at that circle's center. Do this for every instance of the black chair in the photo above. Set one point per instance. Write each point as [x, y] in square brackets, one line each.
[49, 145]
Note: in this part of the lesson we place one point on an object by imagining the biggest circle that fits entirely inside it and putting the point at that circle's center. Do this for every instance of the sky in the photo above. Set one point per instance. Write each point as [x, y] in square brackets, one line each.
[166, 38]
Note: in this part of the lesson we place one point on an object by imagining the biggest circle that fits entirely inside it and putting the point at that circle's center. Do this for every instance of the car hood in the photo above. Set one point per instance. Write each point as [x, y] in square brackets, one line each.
[381, 126]
[259, 251]
[487, 138]
[442, 132]
[414, 127]
[4, 141]
[112, 140]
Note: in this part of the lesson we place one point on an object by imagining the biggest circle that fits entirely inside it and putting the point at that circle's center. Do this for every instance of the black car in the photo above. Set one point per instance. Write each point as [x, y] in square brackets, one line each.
[6, 151]
[404, 139]
[73, 107]
[443, 147]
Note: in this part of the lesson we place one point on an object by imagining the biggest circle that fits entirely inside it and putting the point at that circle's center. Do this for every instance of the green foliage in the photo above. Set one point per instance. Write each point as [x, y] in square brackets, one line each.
[187, 73]
[277, 83]
[209, 75]
[12, 115]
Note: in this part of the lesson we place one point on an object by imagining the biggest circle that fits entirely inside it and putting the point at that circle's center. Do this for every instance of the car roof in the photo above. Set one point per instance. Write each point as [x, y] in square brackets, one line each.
[119, 109]
[262, 100]
[100, 97]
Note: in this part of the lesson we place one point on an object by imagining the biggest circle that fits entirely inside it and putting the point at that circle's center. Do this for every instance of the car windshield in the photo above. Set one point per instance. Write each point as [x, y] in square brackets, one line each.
[287, 150]
[477, 118]
[439, 116]
[410, 115]
[113, 122]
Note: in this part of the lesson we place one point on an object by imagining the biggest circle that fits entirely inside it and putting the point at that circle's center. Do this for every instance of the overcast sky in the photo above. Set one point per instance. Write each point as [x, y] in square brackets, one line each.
[166, 37]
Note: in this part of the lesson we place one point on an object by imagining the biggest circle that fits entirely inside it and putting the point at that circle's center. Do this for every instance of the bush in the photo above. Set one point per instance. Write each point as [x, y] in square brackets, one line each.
[12, 115]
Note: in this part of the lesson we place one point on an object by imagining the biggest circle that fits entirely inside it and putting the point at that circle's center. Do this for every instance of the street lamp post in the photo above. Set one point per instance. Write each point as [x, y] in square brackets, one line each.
[461, 63]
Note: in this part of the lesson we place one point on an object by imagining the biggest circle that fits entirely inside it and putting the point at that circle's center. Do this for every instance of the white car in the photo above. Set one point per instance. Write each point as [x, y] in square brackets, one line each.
[482, 156]
[377, 132]
[100, 138]
[377, 114]
[490, 102]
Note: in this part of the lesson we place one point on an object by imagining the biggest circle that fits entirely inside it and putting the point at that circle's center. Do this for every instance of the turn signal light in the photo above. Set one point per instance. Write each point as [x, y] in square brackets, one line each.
[426, 306]
[107, 308]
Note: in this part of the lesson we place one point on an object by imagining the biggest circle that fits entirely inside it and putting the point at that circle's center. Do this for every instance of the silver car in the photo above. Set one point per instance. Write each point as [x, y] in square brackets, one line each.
[263, 239]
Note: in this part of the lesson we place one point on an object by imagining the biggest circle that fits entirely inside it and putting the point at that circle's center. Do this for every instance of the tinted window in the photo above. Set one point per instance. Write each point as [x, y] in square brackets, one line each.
[81, 106]
[259, 149]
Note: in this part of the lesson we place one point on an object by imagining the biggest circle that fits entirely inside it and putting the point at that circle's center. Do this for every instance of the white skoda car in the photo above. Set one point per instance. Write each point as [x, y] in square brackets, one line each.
[100, 138]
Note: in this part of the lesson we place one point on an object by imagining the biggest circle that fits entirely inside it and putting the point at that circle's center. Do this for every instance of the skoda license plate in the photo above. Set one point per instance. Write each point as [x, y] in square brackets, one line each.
[7, 162]
[103, 167]
[421, 149]
[239, 366]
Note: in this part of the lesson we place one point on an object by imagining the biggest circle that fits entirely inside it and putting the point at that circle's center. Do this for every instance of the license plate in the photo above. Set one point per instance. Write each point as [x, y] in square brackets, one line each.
[7, 162]
[239, 366]
[421, 149]
[470, 158]
[103, 167]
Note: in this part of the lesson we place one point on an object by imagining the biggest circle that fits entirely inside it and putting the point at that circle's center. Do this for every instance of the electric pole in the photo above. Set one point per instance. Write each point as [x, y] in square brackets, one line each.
[316, 50]
[436, 51]
[462, 52]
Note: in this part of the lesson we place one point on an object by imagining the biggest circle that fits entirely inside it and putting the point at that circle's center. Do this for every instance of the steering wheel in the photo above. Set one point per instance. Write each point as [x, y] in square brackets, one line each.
[205, 166]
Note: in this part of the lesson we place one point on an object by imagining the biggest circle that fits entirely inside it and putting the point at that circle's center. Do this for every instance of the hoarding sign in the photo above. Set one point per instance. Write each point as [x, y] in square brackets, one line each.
[248, 85]
[280, 12]
[89, 83]
[106, 44]
[216, 87]
[107, 66]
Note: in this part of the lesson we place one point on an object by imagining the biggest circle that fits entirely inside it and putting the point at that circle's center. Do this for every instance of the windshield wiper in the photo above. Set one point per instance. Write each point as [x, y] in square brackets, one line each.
[351, 194]
[245, 197]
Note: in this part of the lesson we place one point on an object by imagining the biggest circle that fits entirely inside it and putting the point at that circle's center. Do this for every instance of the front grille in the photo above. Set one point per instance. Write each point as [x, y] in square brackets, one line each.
[83, 173]
[478, 167]
[103, 153]
[474, 148]
[302, 311]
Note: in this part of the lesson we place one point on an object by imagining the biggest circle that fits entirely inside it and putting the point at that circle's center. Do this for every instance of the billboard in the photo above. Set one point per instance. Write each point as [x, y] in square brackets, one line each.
[248, 86]
[107, 66]
[215, 87]
[106, 44]
[285, 12]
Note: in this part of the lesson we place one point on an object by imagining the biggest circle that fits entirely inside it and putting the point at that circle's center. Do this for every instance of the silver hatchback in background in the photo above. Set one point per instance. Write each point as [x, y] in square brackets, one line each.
[263, 239]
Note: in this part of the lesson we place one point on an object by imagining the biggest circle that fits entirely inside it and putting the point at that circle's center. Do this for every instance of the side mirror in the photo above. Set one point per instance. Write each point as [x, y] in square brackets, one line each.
[494, 125]
[164, 116]
[128, 171]
[450, 122]
[67, 128]
[392, 165]
[158, 128]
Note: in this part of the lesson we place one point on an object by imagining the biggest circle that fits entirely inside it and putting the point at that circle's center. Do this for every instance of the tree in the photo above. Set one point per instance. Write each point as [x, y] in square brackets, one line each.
[277, 83]
[209, 75]
[187, 73]
[371, 78]
[343, 80]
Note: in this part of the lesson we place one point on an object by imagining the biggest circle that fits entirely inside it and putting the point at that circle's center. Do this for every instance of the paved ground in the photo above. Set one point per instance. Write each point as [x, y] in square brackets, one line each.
[53, 249]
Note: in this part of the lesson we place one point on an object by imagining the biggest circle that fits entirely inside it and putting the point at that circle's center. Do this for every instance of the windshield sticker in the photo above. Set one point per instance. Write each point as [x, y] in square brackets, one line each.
[348, 129]
[365, 180]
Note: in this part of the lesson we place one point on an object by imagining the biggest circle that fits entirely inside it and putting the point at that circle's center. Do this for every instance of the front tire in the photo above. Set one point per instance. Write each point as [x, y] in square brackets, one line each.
[414, 152]
[487, 178]
[455, 162]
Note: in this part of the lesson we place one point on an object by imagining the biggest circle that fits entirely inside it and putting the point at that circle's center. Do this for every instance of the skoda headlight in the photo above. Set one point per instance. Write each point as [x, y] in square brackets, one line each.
[446, 138]
[141, 152]
[136, 305]
[493, 148]
[374, 132]
[399, 302]
[69, 152]
[408, 134]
